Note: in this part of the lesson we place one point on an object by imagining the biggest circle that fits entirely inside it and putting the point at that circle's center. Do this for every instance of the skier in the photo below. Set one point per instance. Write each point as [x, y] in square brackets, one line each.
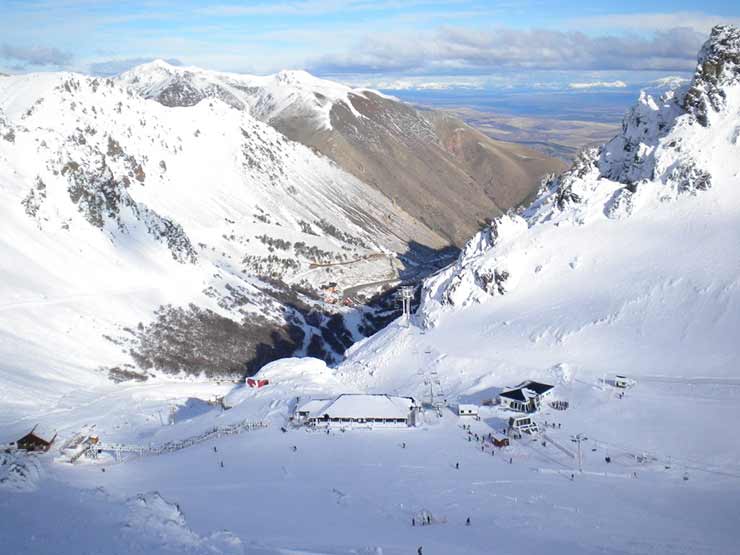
[294, 448]
[572, 477]
[457, 466]
[429, 519]
[413, 521]
[403, 445]
[511, 460]
[214, 449]
[418, 551]
[222, 464]
[467, 522]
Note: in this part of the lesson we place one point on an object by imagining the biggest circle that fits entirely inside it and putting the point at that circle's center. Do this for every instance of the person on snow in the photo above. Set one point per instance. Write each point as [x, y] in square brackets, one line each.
[418, 551]
[413, 521]
[214, 449]
[222, 464]
[294, 448]
[457, 466]
[467, 522]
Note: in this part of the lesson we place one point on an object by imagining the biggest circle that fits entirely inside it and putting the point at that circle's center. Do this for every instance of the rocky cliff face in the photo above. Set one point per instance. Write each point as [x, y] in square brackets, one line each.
[718, 68]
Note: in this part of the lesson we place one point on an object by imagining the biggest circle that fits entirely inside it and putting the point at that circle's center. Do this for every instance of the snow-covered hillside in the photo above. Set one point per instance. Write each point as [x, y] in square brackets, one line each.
[113, 206]
[626, 263]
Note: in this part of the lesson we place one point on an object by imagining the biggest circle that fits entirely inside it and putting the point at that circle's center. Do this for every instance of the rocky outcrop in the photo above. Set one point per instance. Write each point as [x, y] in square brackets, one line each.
[719, 66]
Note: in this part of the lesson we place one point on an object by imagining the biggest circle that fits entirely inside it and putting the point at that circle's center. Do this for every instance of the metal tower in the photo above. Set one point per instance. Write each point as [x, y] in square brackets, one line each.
[407, 294]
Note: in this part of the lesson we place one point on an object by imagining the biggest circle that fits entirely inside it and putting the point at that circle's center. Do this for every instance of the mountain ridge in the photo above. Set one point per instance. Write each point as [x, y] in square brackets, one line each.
[407, 155]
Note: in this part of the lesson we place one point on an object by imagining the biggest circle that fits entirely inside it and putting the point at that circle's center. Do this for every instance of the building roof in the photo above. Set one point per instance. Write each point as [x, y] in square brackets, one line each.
[538, 387]
[360, 406]
[43, 433]
[516, 394]
[526, 390]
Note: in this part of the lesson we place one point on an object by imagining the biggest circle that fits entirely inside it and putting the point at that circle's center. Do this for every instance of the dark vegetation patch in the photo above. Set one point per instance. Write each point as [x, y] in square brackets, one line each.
[194, 340]
[332, 230]
[119, 375]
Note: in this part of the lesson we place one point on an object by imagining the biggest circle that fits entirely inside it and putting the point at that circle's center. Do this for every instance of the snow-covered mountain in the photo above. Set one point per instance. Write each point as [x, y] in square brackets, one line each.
[627, 263]
[436, 168]
[114, 207]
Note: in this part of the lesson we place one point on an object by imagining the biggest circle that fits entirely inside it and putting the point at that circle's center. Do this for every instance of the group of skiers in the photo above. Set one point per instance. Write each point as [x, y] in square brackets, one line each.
[427, 519]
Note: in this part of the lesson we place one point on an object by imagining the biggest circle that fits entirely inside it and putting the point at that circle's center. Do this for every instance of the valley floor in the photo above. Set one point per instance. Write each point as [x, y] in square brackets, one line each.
[357, 491]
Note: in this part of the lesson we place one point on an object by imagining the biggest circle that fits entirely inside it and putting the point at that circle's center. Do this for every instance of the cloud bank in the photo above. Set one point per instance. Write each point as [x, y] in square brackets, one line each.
[598, 85]
[465, 51]
[35, 56]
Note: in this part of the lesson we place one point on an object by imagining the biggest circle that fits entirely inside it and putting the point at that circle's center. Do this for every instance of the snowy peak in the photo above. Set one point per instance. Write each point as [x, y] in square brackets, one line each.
[664, 156]
[284, 94]
[718, 68]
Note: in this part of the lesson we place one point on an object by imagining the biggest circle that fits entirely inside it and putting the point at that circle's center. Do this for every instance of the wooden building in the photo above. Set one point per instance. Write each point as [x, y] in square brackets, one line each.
[36, 440]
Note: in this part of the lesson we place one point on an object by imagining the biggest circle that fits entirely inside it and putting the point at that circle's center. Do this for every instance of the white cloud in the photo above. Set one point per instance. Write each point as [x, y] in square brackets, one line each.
[696, 21]
[421, 84]
[35, 56]
[462, 51]
[598, 85]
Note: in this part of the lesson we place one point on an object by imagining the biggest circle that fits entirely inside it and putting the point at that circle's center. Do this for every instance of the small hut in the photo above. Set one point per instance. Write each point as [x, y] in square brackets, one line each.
[467, 410]
[37, 440]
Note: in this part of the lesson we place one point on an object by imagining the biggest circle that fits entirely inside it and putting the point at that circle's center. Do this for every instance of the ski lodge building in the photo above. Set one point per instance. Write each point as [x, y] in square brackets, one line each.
[37, 439]
[363, 409]
[526, 397]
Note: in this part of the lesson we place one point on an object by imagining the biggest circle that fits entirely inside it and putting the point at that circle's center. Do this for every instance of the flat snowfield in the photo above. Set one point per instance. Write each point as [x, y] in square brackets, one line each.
[358, 491]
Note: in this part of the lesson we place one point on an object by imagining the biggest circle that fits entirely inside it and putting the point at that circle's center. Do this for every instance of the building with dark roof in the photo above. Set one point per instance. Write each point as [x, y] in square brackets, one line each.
[36, 440]
[526, 397]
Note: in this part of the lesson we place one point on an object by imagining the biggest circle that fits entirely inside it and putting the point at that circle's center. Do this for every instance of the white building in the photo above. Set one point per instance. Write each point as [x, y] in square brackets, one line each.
[467, 410]
[359, 409]
[526, 397]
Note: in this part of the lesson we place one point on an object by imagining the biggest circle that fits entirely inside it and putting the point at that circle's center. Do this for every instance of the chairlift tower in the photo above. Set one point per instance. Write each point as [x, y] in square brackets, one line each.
[578, 439]
[434, 396]
[407, 294]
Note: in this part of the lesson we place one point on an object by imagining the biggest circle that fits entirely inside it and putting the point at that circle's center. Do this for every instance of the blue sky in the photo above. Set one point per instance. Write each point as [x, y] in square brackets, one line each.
[382, 43]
